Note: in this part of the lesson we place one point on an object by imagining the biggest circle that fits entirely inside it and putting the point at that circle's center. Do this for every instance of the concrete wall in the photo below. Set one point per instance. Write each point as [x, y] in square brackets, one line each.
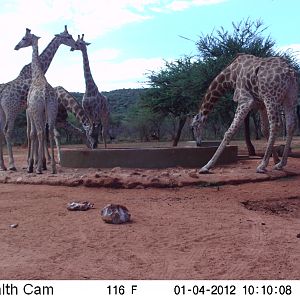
[145, 157]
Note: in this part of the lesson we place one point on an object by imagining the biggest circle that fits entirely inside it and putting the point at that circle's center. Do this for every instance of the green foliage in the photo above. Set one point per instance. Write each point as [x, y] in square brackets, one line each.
[173, 89]
[246, 37]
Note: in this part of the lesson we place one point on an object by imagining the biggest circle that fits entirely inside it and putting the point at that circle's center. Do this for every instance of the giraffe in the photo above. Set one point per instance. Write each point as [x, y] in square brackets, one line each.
[41, 106]
[66, 102]
[94, 103]
[13, 94]
[270, 84]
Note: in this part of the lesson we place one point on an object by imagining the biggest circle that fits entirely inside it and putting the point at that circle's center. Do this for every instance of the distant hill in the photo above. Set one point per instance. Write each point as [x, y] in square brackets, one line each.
[119, 100]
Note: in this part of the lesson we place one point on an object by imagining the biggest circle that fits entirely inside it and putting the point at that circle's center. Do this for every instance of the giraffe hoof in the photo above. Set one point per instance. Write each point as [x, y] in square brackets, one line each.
[261, 170]
[203, 171]
[3, 169]
[38, 171]
[12, 169]
[278, 167]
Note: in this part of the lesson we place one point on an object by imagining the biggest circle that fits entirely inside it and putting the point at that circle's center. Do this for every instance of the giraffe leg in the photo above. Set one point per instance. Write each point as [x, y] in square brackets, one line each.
[47, 154]
[272, 117]
[250, 147]
[32, 146]
[51, 138]
[240, 115]
[291, 121]
[2, 121]
[39, 122]
[2, 165]
[28, 130]
[57, 143]
[264, 123]
[44, 155]
[8, 135]
[40, 139]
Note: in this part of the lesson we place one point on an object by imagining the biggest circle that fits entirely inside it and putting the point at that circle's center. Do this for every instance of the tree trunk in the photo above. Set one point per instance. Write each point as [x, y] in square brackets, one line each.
[182, 121]
[250, 147]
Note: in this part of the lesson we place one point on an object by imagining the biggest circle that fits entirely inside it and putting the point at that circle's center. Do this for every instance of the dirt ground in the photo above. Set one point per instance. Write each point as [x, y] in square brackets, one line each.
[231, 224]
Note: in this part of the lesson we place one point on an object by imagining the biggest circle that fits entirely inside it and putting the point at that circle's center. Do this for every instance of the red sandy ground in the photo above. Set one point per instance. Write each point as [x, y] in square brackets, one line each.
[232, 224]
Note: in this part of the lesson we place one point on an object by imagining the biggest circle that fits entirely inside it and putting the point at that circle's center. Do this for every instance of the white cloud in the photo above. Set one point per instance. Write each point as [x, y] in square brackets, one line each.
[108, 75]
[185, 4]
[95, 17]
[179, 5]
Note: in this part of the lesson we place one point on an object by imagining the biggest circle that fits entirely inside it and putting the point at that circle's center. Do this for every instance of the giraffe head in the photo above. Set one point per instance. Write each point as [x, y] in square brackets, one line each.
[80, 44]
[28, 40]
[66, 38]
[197, 126]
[91, 132]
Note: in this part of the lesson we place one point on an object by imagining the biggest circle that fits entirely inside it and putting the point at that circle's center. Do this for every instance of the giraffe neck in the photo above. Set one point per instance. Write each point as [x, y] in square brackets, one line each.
[222, 83]
[70, 103]
[90, 85]
[35, 64]
[47, 55]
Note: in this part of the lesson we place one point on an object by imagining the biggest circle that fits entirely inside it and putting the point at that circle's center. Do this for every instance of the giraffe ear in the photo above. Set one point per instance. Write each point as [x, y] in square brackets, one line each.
[28, 30]
[87, 43]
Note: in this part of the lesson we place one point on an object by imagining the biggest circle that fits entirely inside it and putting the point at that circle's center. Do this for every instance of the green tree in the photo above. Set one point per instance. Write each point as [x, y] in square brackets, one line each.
[173, 92]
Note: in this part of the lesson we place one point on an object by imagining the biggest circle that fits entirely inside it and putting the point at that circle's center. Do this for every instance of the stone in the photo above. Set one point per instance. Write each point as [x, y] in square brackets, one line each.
[115, 214]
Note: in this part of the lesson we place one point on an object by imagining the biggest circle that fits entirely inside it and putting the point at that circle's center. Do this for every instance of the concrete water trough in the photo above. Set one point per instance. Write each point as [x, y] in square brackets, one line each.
[149, 158]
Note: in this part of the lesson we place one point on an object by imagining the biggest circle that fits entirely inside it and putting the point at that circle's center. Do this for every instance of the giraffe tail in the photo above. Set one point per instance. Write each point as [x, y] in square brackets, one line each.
[47, 132]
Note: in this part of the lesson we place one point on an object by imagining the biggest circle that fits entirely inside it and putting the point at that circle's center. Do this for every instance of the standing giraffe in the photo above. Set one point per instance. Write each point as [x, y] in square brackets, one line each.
[13, 94]
[93, 102]
[41, 106]
[266, 83]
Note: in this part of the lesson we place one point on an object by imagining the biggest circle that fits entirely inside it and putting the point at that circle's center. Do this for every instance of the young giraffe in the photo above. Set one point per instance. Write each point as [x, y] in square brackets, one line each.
[266, 83]
[41, 106]
[13, 95]
[93, 102]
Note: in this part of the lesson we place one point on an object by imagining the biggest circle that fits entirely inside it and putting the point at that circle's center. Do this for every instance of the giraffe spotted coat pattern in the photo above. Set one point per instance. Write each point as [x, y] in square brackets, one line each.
[41, 107]
[269, 84]
[94, 103]
[13, 95]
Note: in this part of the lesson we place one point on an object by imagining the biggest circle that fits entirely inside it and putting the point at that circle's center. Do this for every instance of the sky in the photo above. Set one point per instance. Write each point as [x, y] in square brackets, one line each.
[130, 38]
